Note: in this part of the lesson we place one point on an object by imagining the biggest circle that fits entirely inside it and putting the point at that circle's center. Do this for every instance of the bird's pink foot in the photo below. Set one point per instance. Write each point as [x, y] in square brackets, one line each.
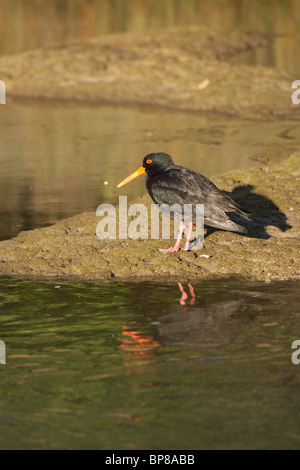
[175, 248]
[186, 246]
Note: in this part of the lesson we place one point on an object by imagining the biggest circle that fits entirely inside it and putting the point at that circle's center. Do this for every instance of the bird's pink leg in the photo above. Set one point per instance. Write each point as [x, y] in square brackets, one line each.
[188, 236]
[176, 246]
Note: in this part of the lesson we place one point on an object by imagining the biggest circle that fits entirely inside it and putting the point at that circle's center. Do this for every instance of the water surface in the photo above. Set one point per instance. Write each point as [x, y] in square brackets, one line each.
[129, 366]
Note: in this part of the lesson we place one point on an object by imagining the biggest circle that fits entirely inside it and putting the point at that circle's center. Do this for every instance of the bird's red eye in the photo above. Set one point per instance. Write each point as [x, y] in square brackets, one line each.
[149, 161]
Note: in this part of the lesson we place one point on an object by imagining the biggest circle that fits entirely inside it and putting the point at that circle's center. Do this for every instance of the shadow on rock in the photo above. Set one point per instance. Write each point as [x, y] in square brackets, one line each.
[263, 212]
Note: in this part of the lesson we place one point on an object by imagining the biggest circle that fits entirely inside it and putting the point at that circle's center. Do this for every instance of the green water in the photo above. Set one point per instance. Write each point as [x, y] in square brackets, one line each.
[127, 366]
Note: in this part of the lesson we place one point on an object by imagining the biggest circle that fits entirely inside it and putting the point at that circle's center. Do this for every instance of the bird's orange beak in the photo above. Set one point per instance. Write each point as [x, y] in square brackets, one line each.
[137, 173]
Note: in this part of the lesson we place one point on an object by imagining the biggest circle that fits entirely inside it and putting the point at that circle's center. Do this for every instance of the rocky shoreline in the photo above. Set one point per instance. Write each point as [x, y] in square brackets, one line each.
[70, 249]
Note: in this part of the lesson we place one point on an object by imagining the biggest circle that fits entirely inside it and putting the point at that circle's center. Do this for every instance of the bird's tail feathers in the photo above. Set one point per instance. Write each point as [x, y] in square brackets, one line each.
[236, 209]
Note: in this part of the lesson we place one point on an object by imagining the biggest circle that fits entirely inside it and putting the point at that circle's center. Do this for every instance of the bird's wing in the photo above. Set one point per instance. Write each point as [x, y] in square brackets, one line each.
[184, 186]
[188, 187]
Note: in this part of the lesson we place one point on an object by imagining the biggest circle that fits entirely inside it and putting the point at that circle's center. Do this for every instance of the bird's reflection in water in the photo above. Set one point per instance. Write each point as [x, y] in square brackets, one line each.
[141, 346]
[184, 295]
[137, 344]
[189, 321]
[194, 324]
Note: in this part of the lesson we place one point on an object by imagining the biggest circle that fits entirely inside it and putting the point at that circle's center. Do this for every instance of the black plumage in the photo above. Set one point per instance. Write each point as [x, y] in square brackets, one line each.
[168, 183]
[173, 185]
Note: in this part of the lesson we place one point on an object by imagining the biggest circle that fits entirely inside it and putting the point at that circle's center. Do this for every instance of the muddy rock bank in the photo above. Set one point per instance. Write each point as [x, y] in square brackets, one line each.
[70, 248]
[187, 69]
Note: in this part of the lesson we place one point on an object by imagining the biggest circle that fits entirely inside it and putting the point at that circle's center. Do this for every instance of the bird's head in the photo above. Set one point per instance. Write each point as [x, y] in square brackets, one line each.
[153, 164]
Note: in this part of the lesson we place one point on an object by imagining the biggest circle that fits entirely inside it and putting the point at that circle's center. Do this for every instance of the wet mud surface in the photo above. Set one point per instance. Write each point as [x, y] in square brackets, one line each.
[70, 248]
[183, 68]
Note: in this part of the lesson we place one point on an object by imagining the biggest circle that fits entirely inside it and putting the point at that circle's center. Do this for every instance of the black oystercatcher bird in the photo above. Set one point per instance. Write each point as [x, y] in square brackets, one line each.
[170, 184]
